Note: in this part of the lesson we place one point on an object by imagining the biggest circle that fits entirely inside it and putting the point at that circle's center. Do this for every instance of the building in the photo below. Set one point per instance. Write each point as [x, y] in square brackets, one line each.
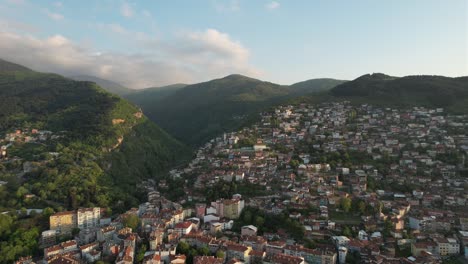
[249, 230]
[207, 260]
[287, 259]
[342, 252]
[426, 246]
[183, 228]
[238, 251]
[447, 246]
[63, 222]
[200, 210]
[88, 217]
[233, 208]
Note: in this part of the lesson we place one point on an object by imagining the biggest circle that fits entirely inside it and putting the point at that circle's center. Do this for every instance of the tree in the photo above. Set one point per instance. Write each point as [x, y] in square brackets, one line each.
[259, 221]
[362, 207]
[141, 253]
[6, 224]
[183, 248]
[347, 231]
[204, 251]
[131, 221]
[75, 231]
[220, 254]
[345, 204]
[47, 212]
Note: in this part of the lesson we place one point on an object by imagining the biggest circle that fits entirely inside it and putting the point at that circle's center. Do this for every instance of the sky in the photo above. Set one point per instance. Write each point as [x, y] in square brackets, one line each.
[154, 43]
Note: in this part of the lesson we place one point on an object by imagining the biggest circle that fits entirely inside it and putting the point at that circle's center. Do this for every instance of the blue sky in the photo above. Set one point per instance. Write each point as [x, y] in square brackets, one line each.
[149, 43]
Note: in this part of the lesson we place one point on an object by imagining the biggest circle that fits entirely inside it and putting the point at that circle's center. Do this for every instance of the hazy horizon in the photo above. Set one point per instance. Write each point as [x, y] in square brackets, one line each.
[140, 44]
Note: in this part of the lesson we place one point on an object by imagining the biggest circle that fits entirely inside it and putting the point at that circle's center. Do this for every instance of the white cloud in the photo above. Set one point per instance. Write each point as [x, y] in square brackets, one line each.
[226, 5]
[126, 10]
[17, 2]
[272, 5]
[58, 4]
[54, 16]
[187, 57]
[146, 13]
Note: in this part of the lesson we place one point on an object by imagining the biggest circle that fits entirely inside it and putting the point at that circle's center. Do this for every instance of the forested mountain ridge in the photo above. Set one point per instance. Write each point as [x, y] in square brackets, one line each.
[424, 90]
[110, 86]
[198, 112]
[153, 95]
[100, 147]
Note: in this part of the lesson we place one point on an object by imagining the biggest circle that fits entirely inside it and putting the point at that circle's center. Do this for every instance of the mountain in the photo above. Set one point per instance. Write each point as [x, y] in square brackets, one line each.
[315, 85]
[109, 86]
[424, 90]
[6, 66]
[198, 112]
[99, 148]
[153, 95]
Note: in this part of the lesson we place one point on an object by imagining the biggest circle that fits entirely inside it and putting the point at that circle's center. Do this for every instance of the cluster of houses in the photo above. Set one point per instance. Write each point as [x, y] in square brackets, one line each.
[408, 187]
[413, 145]
[25, 136]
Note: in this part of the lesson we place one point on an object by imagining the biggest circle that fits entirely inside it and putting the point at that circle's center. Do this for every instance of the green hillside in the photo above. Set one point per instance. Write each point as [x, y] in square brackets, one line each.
[110, 86]
[101, 146]
[196, 113]
[424, 90]
[153, 95]
[315, 85]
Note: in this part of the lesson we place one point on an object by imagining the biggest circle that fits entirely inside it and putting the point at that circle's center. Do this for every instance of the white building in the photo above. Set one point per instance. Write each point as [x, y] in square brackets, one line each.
[88, 217]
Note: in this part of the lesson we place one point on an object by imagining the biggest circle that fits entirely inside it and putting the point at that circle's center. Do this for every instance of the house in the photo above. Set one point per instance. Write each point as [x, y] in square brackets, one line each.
[286, 259]
[238, 251]
[64, 247]
[447, 246]
[215, 227]
[153, 258]
[207, 260]
[249, 230]
[177, 259]
[183, 228]
[426, 246]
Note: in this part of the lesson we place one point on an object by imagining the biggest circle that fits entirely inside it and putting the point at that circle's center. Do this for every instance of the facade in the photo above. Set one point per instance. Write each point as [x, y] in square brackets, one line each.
[63, 222]
[88, 217]
[447, 246]
[249, 230]
[238, 251]
[233, 208]
[183, 228]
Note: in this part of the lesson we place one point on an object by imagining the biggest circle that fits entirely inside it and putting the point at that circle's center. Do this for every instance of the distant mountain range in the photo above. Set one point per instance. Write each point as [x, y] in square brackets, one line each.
[109, 86]
[196, 113]
[422, 90]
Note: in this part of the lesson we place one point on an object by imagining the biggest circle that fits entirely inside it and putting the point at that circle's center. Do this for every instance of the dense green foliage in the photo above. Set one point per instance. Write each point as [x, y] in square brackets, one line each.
[269, 222]
[110, 86]
[92, 168]
[101, 149]
[431, 91]
[196, 113]
[315, 85]
[19, 236]
[153, 95]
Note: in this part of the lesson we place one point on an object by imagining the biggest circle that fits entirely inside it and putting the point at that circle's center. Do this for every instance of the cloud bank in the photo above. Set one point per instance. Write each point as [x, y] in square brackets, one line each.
[272, 5]
[187, 57]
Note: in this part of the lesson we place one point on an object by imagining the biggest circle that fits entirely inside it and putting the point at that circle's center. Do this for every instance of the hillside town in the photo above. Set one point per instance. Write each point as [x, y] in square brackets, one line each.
[328, 183]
